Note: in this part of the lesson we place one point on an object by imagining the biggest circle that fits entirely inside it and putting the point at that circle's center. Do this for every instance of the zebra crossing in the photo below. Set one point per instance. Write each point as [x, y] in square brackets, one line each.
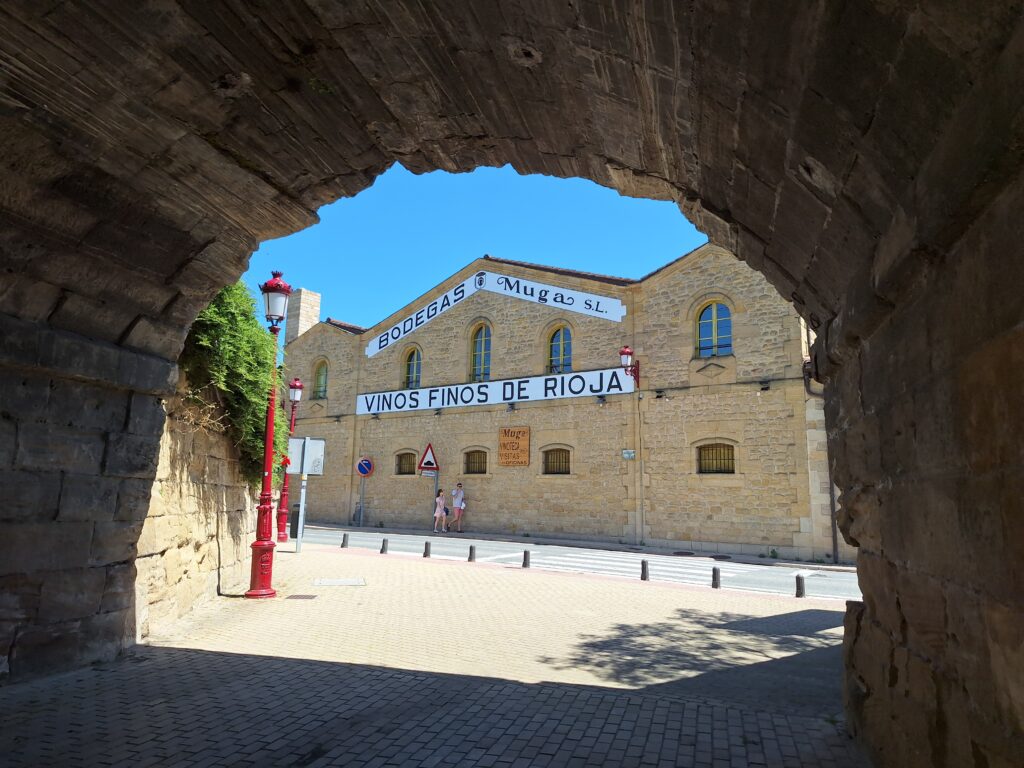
[693, 569]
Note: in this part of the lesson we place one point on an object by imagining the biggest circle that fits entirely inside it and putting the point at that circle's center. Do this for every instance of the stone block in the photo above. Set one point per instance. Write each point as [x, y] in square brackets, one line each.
[119, 588]
[147, 415]
[84, 406]
[31, 547]
[43, 446]
[29, 496]
[133, 500]
[88, 497]
[132, 456]
[26, 396]
[114, 542]
[71, 594]
[19, 598]
[43, 649]
[8, 442]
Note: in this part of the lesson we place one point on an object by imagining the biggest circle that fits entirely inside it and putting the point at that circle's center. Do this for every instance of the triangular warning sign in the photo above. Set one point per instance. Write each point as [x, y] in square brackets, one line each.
[428, 461]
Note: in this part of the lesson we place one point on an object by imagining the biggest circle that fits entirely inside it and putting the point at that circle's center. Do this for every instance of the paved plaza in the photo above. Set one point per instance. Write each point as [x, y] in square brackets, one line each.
[441, 663]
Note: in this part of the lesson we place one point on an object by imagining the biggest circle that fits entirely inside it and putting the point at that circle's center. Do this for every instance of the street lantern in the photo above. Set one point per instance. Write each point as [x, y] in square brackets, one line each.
[275, 296]
[633, 369]
[294, 394]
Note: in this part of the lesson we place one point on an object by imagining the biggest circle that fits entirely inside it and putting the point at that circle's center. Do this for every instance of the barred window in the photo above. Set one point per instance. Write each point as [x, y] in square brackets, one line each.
[413, 366]
[714, 331]
[716, 459]
[320, 381]
[560, 351]
[476, 462]
[405, 464]
[482, 354]
[556, 461]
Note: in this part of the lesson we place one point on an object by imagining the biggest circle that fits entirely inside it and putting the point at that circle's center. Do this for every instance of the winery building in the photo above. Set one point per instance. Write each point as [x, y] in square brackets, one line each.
[511, 373]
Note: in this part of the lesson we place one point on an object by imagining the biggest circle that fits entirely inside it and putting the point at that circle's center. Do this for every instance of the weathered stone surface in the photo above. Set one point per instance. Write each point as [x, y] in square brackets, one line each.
[864, 156]
[71, 594]
[87, 497]
[132, 456]
[32, 547]
[29, 496]
[47, 447]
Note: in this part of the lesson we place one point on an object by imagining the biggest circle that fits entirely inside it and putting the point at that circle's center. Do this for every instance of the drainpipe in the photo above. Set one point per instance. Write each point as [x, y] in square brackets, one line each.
[831, 487]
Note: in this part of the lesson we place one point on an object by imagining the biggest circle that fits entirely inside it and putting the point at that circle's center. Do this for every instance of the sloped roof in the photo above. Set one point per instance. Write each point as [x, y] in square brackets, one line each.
[345, 326]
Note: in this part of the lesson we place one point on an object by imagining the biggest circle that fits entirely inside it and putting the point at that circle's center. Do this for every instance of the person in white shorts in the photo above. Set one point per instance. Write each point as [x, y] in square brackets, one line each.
[458, 508]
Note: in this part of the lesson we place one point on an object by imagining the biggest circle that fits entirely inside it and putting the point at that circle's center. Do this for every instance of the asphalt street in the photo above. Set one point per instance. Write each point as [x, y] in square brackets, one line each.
[771, 577]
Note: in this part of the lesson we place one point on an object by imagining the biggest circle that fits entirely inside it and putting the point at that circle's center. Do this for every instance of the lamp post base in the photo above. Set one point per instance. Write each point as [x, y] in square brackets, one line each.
[262, 569]
[282, 526]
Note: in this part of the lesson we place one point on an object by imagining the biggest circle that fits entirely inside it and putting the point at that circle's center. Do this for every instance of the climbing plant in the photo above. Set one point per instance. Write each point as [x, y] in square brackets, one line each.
[230, 350]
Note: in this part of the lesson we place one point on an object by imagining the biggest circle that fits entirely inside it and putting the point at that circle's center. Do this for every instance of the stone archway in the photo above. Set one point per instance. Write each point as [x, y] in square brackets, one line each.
[864, 156]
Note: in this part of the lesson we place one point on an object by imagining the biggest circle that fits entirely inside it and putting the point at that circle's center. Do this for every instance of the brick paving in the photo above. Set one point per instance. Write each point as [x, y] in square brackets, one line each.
[441, 663]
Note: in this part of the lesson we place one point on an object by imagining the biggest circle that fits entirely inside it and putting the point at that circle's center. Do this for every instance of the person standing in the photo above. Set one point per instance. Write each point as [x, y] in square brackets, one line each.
[440, 511]
[458, 506]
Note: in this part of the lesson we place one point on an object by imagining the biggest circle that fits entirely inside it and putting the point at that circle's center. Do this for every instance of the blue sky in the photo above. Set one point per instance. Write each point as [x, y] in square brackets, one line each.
[372, 254]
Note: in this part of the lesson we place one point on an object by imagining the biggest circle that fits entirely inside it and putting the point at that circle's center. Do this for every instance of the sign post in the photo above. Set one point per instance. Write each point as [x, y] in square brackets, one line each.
[364, 467]
[430, 468]
[306, 457]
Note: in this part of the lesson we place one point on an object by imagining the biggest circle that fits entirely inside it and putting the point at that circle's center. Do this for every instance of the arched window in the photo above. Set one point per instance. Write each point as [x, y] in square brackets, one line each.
[320, 381]
[482, 354]
[476, 463]
[556, 461]
[560, 351]
[413, 365]
[714, 331]
[716, 459]
[405, 463]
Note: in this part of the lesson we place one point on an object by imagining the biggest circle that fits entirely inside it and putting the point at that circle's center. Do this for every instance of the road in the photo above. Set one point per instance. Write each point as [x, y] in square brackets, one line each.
[753, 577]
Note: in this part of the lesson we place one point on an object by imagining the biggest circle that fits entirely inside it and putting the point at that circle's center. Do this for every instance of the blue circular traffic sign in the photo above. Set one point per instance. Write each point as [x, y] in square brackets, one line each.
[364, 466]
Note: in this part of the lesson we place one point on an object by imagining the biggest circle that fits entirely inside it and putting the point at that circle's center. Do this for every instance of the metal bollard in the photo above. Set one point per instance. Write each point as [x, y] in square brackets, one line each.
[472, 553]
[645, 571]
[526, 558]
[384, 547]
[426, 549]
[801, 591]
[716, 578]
[344, 541]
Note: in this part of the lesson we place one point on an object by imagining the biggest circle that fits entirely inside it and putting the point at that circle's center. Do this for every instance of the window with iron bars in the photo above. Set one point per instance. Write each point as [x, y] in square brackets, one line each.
[476, 462]
[556, 461]
[716, 459]
[405, 464]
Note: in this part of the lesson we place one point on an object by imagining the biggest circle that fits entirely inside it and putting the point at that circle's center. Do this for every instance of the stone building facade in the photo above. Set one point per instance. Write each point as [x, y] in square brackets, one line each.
[719, 448]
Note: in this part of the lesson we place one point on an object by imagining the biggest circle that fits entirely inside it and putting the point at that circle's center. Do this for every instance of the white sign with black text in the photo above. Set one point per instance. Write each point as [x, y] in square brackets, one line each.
[610, 381]
[540, 293]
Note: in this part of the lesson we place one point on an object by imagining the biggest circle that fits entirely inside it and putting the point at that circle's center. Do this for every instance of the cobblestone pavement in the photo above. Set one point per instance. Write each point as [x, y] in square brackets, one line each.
[443, 663]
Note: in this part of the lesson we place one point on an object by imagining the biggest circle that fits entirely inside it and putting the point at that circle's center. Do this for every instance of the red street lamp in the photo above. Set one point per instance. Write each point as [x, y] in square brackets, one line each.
[294, 394]
[633, 369]
[275, 296]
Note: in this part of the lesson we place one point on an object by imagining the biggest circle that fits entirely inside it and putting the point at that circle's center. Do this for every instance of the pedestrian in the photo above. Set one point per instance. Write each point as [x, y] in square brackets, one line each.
[440, 510]
[458, 506]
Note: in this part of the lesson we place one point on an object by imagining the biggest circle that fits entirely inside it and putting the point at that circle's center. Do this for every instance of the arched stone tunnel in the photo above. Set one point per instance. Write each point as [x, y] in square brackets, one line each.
[865, 156]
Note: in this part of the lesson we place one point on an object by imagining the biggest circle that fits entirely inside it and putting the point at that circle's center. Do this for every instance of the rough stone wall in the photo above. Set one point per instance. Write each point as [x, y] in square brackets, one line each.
[851, 152]
[926, 440]
[756, 403]
[195, 539]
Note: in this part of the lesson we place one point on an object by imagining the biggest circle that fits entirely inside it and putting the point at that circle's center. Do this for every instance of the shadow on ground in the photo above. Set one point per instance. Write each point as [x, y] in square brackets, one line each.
[788, 662]
[173, 706]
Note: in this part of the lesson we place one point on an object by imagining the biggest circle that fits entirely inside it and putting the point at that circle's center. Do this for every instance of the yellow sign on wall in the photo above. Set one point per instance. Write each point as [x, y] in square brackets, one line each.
[514, 447]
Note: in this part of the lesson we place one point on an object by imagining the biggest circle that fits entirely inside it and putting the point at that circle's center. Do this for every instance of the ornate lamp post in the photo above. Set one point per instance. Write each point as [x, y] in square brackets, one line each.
[633, 369]
[275, 296]
[294, 394]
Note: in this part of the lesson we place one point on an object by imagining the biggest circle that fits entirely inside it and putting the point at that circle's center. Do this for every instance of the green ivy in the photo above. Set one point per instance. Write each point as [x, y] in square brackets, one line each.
[229, 349]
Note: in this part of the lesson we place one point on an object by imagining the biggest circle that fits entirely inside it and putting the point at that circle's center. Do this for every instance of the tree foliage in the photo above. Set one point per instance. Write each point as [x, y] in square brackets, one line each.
[229, 349]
